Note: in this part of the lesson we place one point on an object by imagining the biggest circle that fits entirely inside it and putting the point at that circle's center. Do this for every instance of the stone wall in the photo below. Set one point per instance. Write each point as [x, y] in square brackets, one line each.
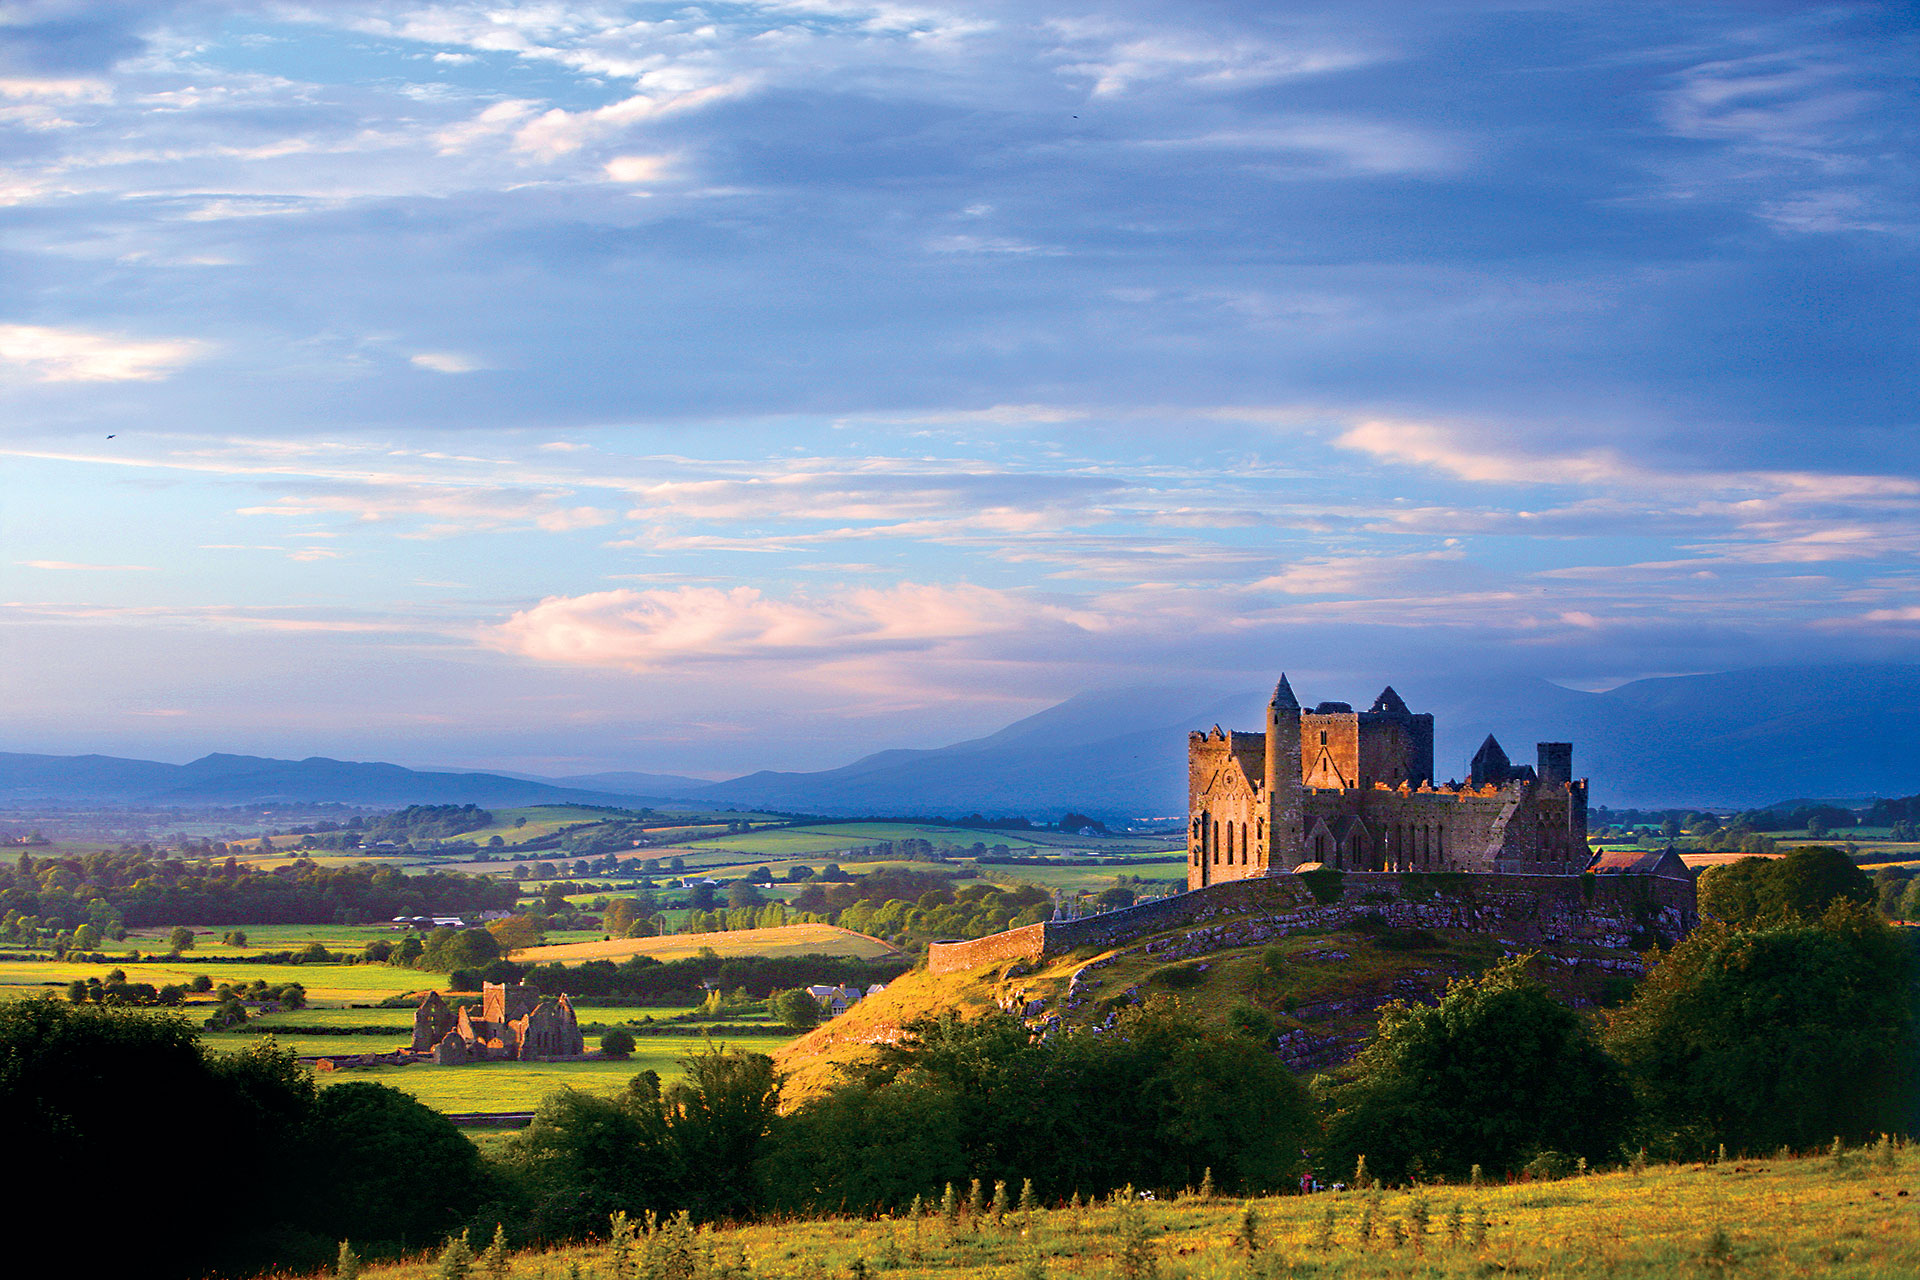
[1616, 912]
[1028, 942]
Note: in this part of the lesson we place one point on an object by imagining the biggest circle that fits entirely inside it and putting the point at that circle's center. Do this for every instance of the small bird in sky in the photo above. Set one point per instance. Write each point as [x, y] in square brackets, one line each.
[110, 437]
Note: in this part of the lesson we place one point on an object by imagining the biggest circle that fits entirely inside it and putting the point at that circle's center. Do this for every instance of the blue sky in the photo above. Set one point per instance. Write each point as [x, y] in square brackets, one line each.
[699, 388]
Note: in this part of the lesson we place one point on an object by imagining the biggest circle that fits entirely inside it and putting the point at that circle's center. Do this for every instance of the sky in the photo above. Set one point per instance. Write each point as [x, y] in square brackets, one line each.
[699, 388]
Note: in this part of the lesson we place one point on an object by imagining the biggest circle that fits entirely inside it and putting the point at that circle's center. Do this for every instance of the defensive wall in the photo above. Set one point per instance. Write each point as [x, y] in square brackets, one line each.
[1615, 911]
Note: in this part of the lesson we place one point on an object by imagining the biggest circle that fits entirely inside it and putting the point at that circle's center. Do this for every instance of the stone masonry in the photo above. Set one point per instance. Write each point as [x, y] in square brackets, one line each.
[1356, 790]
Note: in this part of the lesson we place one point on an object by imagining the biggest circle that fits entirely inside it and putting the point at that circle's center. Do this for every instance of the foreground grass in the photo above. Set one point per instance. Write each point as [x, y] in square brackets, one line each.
[1750, 1219]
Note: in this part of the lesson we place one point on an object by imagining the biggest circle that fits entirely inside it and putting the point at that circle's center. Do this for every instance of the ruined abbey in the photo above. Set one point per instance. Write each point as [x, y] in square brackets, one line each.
[516, 1023]
[1355, 790]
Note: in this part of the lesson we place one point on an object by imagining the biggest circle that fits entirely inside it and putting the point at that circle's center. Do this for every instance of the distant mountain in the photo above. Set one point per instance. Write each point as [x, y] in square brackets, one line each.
[240, 780]
[1738, 739]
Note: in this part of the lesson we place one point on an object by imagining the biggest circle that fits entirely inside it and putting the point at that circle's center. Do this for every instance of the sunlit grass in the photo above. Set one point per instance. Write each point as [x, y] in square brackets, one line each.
[1751, 1219]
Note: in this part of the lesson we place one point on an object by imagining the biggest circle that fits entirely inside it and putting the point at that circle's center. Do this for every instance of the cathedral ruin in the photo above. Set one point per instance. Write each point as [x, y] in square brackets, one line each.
[1355, 790]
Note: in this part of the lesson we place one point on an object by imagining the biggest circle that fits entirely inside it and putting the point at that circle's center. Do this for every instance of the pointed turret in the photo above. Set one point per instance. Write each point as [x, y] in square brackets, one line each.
[1490, 764]
[1389, 703]
[1283, 694]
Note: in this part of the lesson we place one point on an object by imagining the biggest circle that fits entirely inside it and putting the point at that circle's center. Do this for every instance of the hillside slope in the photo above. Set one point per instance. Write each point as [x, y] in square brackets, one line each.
[1321, 991]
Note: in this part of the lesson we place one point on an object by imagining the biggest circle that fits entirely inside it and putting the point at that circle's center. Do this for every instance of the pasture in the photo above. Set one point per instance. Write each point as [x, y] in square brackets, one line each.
[329, 983]
[519, 1086]
[787, 940]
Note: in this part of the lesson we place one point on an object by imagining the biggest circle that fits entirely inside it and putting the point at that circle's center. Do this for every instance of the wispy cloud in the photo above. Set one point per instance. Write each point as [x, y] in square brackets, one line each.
[74, 566]
[52, 354]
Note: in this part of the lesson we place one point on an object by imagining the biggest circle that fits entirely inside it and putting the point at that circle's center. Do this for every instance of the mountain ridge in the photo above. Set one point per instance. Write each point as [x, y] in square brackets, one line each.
[1739, 739]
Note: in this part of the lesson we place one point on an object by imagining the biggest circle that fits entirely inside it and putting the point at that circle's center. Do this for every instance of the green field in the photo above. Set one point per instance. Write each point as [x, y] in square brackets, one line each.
[1169, 871]
[345, 984]
[1757, 1220]
[519, 1086]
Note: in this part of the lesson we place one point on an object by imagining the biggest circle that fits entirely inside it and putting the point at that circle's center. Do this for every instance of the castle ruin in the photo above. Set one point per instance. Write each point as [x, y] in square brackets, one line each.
[1350, 796]
[1354, 790]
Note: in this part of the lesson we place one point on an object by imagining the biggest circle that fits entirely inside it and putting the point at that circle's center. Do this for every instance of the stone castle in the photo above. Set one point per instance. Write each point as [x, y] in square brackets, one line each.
[1354, 790]
[516, 1023]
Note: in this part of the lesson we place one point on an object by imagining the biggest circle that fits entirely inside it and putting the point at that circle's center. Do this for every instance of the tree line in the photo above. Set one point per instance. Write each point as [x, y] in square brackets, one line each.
[116, 891]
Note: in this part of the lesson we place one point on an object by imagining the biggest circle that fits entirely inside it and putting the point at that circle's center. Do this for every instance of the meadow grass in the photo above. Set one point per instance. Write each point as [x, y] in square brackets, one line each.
[334, 983]
[519, 1086]
[786, 940]
[264, 937]
[1752, 1219]
[1171, 870]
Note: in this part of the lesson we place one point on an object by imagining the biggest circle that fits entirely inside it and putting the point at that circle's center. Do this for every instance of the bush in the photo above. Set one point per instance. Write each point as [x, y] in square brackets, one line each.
[1783, 1035]
[1497, 1072]
[1252, 1022]
[1180, 976]
[617, 1044]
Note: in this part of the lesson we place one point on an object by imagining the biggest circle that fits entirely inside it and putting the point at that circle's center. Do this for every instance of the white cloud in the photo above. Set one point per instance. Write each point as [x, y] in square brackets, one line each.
[67, 565]
[638, 168]
[1433, 445]
[445, 362]
[559, 132]
[77, 355]
[651, 630]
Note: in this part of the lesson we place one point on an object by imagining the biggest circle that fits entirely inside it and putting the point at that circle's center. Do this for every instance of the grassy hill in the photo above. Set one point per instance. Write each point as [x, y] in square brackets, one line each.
[1753, 1219]
[1322, 991]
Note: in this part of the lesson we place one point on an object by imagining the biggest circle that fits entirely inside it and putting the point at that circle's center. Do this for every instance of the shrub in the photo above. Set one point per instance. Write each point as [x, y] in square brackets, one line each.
[1181, 976]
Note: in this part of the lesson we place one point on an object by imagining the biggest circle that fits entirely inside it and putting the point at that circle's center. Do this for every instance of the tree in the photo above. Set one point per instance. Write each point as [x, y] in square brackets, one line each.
[78, 1086]
[234, 937]
[1785, 1034]
[619, 917]
[181, 939]
[617, 1044]
[1496, 1073]
[1799, 886]
[374, 1152]
[797, 1009]
[718, 1119]
[586, 1157]
[515, 933]
[744, 893]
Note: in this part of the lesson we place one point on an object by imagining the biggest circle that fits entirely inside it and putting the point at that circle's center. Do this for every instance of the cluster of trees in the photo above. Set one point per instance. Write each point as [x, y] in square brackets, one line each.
[83, 1086]
[114, 891]
[1786, 1019]
[914, 906]
[1894, 888]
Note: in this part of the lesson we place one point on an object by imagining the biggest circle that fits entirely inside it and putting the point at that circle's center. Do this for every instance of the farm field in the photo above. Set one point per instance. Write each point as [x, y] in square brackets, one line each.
[1755, 1219]
[338, 983]
[1169, 871]
[519, 1086]
[264, 937]
[787, 940]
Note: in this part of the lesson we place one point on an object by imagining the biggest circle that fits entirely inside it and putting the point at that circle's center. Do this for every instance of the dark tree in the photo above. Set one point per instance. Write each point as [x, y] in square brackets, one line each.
[1799, 886]
[1498, 1072]
[1787, 1034]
